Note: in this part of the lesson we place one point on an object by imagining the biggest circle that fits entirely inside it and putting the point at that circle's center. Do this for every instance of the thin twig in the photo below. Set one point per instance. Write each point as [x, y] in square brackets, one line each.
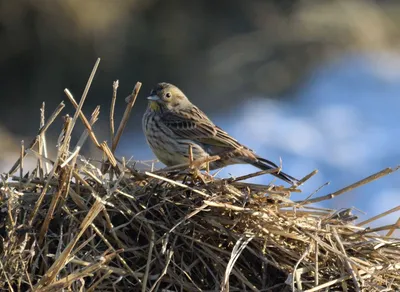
[236, 252]
[83, 118]
[42, 130]
[126, 115]
[53, 271]
[112, 109]
[21, 157]
[296, 272]
[83, 98]
[149, 257]
[316, 191]
[43, 138]
[364, 181]
[307, 177]
[345, 259]
[176, 183]
[254, 174]
[395, 209]
[164, 271]
[61, 151]
[182, 166]
[393, 229]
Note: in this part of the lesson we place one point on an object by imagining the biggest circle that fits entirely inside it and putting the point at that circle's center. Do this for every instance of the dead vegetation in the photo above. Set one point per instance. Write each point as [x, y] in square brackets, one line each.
[84, 226]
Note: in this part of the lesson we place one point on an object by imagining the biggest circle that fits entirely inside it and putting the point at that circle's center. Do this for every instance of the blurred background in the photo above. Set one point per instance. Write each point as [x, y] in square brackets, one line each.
[314, 83]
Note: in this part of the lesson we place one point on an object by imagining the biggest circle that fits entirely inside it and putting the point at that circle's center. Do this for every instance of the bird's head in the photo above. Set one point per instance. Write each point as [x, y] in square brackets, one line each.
[167, 97]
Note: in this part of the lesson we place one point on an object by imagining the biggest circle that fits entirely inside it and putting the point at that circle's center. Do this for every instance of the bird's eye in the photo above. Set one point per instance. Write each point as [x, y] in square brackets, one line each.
[168, 95]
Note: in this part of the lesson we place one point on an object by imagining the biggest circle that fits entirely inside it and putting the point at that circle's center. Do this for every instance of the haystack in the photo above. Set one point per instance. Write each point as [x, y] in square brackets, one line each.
[80, 225]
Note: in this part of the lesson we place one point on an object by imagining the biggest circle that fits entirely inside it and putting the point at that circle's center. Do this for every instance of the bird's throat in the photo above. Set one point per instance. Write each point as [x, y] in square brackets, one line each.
[154, 106]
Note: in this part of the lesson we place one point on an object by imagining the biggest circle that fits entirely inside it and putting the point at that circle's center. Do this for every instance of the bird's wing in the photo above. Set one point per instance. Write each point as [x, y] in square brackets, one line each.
[193, 124]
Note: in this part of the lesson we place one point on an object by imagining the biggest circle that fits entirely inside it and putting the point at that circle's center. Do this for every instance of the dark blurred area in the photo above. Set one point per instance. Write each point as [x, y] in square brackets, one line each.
[217, 51]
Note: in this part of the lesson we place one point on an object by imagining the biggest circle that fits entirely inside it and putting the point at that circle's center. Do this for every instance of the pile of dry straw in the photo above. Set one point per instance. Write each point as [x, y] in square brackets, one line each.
[74, 224]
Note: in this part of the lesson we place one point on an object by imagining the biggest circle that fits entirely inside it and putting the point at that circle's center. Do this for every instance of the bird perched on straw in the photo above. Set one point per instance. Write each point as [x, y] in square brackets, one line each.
[171, 123]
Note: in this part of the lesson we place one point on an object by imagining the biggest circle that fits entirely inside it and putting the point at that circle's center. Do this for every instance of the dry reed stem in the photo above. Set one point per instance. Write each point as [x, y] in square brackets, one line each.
[65, 175]
[83, 118]
[43, 146]
[255, 174]
[183, 166]
[346, 260]
[21, 157]
[82, 139]
[176, 183]
[364, 181]
[42, 130]
[395, 209]
[112, 109]
[83, 98]
[126, 115]
[63, 258]
[394, 228]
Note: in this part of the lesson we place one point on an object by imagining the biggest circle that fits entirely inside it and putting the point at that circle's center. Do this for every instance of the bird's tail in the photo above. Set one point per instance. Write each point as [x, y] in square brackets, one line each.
[265, 164]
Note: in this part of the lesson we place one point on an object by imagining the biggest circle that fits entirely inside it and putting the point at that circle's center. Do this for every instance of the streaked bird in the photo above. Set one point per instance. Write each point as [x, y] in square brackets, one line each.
[171, 123]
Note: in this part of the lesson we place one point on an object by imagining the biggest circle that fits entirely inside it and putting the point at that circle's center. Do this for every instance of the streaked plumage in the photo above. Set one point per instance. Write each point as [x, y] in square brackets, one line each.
[172, 122]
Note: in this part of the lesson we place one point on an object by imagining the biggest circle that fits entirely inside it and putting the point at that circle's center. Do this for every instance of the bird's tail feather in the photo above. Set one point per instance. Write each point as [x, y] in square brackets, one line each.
[265, 164]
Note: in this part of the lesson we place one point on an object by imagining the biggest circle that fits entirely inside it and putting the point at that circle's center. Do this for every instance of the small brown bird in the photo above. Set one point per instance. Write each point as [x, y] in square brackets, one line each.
[172, 123]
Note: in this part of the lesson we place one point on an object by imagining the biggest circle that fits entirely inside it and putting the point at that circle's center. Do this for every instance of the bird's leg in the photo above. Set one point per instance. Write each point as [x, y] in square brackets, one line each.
[207, 174]
[198, 175]
[195, 167]
[190, 150]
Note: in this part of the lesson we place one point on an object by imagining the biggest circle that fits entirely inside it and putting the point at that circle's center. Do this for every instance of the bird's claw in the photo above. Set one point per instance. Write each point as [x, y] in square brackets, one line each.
[204, 177]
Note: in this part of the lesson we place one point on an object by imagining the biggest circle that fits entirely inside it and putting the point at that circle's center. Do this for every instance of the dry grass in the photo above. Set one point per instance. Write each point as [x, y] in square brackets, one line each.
[74, 224]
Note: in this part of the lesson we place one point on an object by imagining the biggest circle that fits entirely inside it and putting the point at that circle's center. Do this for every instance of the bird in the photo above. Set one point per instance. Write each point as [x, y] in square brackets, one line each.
[172, 122]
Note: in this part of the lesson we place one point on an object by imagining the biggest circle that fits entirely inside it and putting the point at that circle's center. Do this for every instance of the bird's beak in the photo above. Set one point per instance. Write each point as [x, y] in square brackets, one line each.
[153, 97]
